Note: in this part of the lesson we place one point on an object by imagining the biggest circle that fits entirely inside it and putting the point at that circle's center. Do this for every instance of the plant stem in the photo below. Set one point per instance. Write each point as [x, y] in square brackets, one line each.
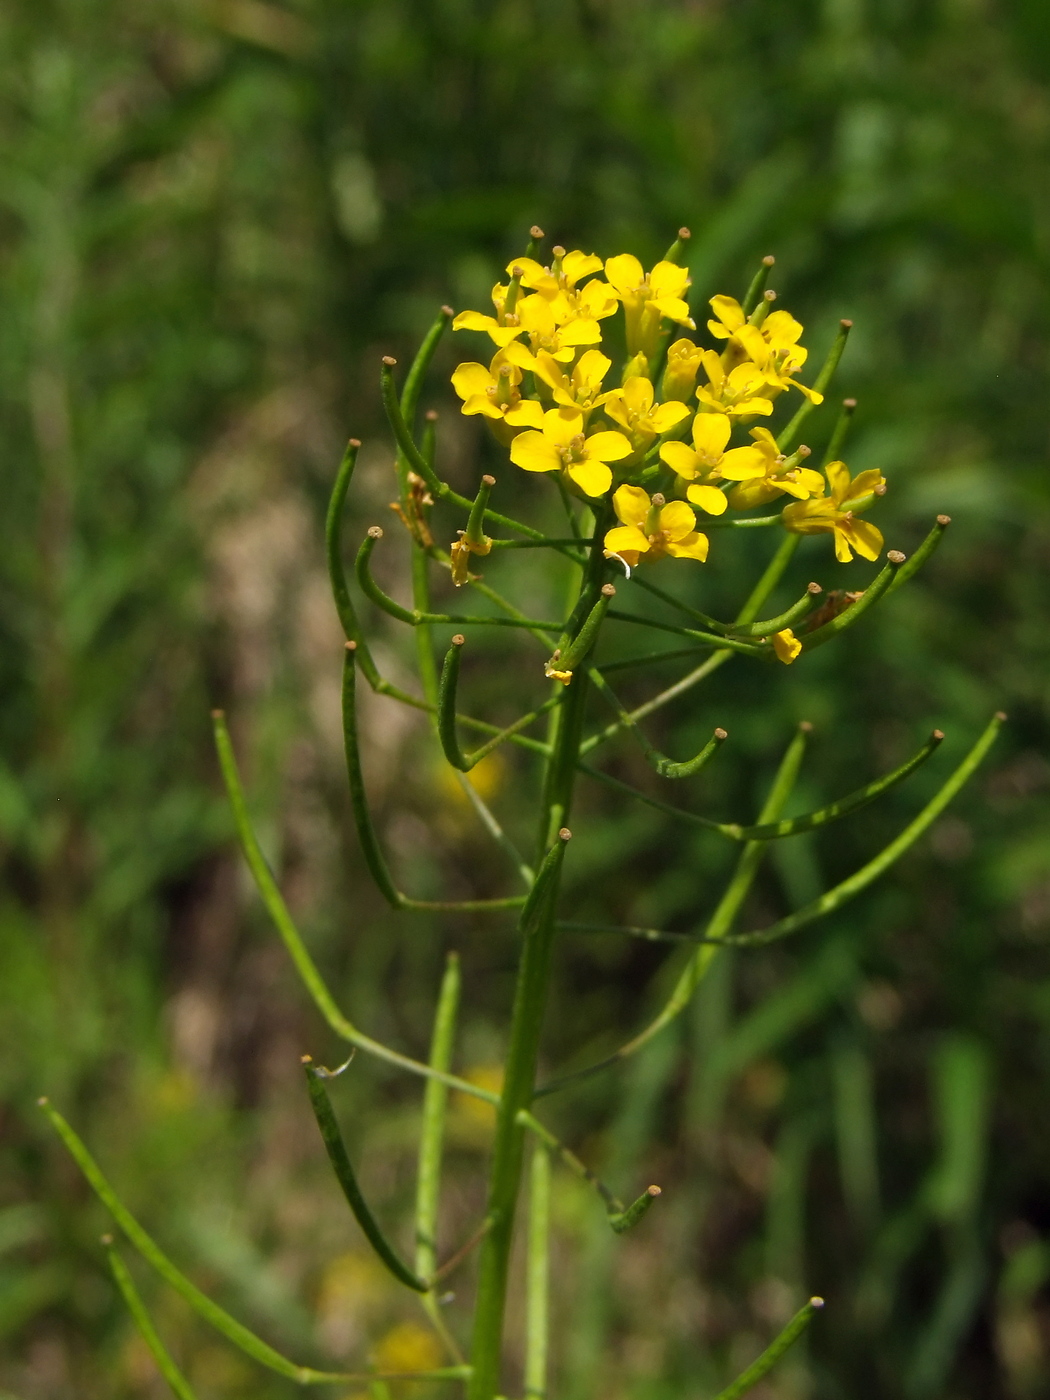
[527, 1018]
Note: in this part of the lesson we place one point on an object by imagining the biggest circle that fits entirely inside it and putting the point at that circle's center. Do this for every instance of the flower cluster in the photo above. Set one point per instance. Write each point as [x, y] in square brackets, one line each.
[549, 395]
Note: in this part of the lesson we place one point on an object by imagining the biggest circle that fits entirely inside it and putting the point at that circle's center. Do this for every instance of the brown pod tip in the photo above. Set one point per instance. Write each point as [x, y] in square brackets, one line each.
[659, 499]
[880, 490]
[488, 480]
[849, 404]
[770, 294]
[1001, 716]
[447, 310]
[218, 714]
[813, 589]
[458, 640]
[375, 532]
[536, 232]
[684, 233]
[565, 834]
[306, 1059]
[43, 1101]
[558, 250]
[846, 324]
[805, 726]
[896, 557]
[721, 734]
[354, 442]
[653, 1191]
[768, 260]
[517, 271]
[803, 450]
[106, 1241]
[389, 360]
[937, 735]
[608, 591]
[944, 520]
[351, 646]
[431, 415]
[817, 1303]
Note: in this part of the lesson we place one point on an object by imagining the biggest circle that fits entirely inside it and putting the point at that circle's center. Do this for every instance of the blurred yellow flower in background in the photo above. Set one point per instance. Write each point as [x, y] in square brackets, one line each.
[408, 1346]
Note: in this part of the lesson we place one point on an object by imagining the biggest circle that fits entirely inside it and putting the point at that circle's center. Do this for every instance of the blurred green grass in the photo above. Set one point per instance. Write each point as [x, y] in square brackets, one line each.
[213, 219]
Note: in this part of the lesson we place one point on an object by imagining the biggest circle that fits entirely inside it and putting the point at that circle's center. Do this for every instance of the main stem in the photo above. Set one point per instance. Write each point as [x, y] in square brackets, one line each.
[530, 998]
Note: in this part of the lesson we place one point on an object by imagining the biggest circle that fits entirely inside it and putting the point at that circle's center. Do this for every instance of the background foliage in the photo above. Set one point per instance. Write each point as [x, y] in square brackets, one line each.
[213, 219]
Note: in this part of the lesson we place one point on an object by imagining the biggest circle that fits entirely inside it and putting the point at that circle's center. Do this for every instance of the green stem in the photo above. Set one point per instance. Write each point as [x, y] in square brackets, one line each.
[758, 284]
[137, 1308]
[537, 1270]
[852, 615]
[773, 1352]
[347, 1178]
[537, 932]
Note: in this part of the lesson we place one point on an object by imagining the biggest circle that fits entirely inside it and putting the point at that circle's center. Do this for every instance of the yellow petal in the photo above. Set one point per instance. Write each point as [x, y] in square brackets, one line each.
[681, 459]
[748, 407]
[711, 432]
[561, 425]
[694, 546]
[811, 394]
[667, 279]
[591, 370]
[742, 463]
[713, 366]
[765, 440]
[597, 299]
[535, 314]
[675, 309]
[526, 414]
[519, 355]
[842, 549]
[811, 480]
[781, 330]
[751, 338]
[631, 505]
[534, 276]
[581, 332]
[729, 312]
[535, 452]
[677, 521]
[481, 403]
[625, 273]
[473, 321]
[666, 415]
[708, 498]
[865, 538]
[626, 537]
[786, 645]
[865, 482]
[471, 378]
[638, 394]
[838, 477]
[575, 265]
[607, 447]
[592, 477]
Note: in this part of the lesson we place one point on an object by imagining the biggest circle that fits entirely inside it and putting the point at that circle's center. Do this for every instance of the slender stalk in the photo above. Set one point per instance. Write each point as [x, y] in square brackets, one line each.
[538, 931]
[537, 1274]
[773, 1352]
[347, 1178]
[178, 1383]
[823, 379]
[432, 1136]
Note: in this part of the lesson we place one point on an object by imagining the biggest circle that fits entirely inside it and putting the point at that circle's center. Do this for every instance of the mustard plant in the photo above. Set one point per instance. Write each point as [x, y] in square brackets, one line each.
[640, 457]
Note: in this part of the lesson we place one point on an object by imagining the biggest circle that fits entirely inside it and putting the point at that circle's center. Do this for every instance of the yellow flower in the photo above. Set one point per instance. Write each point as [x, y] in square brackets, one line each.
[683, 365]
[503, 327]
[777, 475]
[772, 345]
[558, 282]
[554, 326]
[582, 389]
[633, 408]
[740, 393]
[494, 394]
[647, 298]
[786, 645]
[836, 514]
[653, 528]
[563, 446]
[707, 461]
